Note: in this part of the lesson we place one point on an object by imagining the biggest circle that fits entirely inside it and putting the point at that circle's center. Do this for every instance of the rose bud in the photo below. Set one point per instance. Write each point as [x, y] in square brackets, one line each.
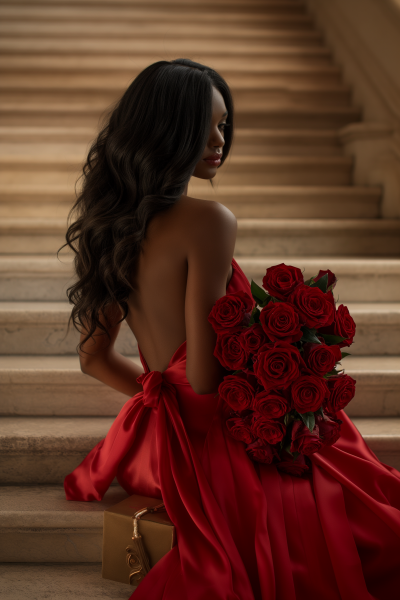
[262, 452]
[237, 391]
[331, 278]
[229, 311]
[270, 404]
[315, 308]
[305, 441]
[277, 365]
[321, 358]
[293, 466]
[280, 321]
[230, 352]
[239, 430]
[342, 389]
[329, 429]
[269, 430]
[252, 338]
[280, 280]
[308, 393]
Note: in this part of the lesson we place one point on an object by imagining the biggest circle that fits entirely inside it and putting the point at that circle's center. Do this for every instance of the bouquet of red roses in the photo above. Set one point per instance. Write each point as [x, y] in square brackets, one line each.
[283, 346]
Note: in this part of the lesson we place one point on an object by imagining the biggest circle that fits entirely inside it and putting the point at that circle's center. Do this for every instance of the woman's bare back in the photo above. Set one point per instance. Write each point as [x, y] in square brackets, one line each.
[157, 311]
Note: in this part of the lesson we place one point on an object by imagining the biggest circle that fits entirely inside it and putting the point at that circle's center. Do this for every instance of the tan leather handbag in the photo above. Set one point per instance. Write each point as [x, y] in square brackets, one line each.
[136, 534]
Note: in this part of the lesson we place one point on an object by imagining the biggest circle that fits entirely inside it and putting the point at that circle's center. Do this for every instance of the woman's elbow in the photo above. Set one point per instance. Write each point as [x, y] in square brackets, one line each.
[202, 388]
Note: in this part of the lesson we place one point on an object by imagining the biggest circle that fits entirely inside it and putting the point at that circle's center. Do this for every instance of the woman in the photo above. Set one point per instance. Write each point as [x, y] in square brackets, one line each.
[244, 530]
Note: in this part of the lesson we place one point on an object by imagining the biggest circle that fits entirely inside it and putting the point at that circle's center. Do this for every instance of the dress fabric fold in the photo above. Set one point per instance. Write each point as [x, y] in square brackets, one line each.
[245, 530]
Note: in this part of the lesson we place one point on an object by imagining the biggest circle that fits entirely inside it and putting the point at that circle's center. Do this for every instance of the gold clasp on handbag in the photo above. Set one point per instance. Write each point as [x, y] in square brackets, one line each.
[137, 558]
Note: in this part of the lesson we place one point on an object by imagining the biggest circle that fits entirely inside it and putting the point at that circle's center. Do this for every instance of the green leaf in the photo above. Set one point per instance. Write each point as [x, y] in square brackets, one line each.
[331, 340]
[319, 412]
[255, 316]
[258, 293]
[344, 354]
[333, 372]
[308, 420]
[322, 283]
[309, 281]
[309, 335]
[295, 455]
[288, 418]
[236, 372]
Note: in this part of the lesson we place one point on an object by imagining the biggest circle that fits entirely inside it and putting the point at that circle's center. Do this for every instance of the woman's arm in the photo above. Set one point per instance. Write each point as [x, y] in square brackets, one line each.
[99, 359]
[210, 249]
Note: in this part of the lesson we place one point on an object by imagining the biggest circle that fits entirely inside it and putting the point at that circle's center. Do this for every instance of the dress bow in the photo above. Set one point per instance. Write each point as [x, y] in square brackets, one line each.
[152, 384]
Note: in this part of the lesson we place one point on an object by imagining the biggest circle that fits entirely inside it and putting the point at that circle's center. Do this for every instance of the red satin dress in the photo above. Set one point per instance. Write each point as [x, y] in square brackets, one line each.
[246, 531]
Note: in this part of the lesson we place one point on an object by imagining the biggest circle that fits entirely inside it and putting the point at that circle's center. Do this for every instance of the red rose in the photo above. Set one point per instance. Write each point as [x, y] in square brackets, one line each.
[230, 351]
[280, 321]
[321, 358]
[281, 280]
[331, 278]
[293, 466]
[270, 404]
[269, 430]
[305, 441]
[344, 325]
[316, 309]
[277, 365]
[229, 311]
[252, 338]
[308, 393]
[239, 430]
[237, 391]
[342, 389]
[261, 452]
[329, 429]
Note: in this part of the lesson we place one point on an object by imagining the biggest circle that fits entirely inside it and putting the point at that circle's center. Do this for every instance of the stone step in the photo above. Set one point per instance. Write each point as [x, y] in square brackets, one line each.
[43, 450]
[265, 6]
[198, 18]
[269, 142]
[117, 72]
[55, 386]
[298, 201]
[318, 237]
[129, 40]
[256, 114]
[41, 328]
[359, 279]
[45, 278]
[247, 141]
[61, 531]
[61, 581]
[238, 170]
[55, 135]
[120, 70]
[244, 97]
[255, 237]
[22, 201]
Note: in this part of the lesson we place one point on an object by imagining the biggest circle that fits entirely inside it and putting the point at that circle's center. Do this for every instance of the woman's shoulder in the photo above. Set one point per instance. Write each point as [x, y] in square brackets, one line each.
[198, 213]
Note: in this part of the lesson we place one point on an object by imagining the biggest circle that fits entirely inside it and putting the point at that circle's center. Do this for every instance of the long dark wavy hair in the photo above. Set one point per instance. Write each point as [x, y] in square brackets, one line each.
[138, 166]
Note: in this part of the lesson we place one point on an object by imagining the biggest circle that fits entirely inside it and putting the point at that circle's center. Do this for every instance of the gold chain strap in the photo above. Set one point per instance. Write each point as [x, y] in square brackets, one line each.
[137, 558]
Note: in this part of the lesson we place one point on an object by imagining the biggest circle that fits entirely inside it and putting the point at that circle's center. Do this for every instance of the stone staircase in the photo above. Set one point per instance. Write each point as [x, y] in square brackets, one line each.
[62, 63]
